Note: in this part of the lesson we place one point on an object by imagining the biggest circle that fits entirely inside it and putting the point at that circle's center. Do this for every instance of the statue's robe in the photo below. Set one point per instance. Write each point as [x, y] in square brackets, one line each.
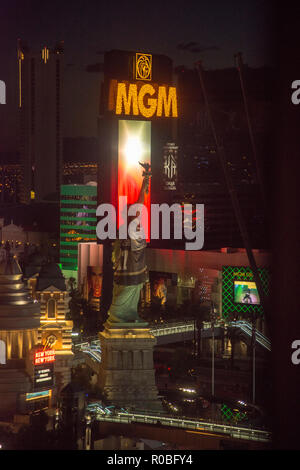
[129, 276]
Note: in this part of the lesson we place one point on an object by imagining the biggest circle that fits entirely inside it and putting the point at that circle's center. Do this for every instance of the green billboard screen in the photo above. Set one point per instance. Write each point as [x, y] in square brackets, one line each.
[239, 291]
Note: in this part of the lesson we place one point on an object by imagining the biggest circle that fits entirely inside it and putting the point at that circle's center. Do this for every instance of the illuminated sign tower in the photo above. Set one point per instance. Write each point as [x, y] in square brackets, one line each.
[138, 113]
[139, 106]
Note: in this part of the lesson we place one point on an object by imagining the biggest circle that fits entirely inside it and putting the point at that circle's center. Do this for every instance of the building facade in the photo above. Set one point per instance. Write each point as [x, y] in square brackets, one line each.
[55, 330]
[19, 323]
[77, 223]
[40, 85]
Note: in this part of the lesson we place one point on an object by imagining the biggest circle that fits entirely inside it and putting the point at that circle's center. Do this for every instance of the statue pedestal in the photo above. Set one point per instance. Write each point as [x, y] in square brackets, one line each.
[126, 372]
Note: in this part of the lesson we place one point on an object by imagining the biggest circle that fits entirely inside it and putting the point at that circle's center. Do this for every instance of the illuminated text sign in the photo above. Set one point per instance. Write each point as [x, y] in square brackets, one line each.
[139, 99]
[44, 357]
[43, 376]
[170, 166]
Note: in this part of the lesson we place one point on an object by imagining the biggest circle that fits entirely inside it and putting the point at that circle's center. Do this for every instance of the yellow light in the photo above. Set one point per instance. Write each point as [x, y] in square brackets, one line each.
[167, 102]
[143, 66]
[122, 98]
[147, 111]
[45, 54]
[131, 99]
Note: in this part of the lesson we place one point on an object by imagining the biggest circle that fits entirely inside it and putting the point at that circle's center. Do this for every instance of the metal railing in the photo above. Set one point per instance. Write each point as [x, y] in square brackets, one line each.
[94, 354]
[172, 328]
[246, 328]
[181, 327]
[237, 432]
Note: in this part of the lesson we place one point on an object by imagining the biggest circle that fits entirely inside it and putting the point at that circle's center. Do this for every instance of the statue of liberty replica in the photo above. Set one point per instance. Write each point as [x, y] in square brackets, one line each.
[126, 374]
[129, 266]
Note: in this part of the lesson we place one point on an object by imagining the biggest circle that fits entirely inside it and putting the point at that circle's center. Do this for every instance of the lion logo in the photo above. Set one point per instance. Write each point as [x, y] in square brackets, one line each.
[143, 66]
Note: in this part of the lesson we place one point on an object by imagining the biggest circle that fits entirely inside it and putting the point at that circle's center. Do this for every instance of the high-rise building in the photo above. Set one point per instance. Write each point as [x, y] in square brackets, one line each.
[40, 81]
[77, 222]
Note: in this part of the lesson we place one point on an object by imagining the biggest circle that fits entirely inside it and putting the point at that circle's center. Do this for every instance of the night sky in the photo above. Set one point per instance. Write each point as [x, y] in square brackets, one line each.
[90, 27]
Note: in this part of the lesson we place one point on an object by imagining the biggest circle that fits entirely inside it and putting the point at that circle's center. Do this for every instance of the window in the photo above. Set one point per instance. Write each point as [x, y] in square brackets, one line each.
[51, 308]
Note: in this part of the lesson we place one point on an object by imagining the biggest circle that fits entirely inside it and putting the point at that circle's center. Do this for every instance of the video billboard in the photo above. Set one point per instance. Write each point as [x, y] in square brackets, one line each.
[134, 147]
[239, 291]
[245, 292]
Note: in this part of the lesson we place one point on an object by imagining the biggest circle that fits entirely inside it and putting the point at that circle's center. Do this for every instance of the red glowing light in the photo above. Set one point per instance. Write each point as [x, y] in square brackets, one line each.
[134, 147]
[44, 357]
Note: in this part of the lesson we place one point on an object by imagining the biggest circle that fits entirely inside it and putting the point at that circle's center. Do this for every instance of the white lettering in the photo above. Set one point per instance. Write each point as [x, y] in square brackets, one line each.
[296, 354]
[109, 221]
[198, 234]
[295, 95]
[193, 222]
[2, 92]
[166, 212]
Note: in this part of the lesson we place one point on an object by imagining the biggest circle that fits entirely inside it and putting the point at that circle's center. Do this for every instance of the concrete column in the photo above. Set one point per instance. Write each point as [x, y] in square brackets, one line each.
[109, 358]
[115, 359]
[137, 359]
[125, 359]
[147, 359]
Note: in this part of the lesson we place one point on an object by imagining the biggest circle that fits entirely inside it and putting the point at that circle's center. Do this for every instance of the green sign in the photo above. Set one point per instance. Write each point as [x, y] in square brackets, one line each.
[239, 291]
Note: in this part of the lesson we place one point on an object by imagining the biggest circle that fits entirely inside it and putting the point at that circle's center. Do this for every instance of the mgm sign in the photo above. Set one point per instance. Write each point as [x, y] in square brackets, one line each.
[132, 90]
[139, 106]
[137, 98]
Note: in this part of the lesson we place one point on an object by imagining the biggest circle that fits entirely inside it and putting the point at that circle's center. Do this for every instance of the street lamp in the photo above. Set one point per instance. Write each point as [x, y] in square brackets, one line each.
[57, 418]
[213, 312]
[253, 356]
[88, 420]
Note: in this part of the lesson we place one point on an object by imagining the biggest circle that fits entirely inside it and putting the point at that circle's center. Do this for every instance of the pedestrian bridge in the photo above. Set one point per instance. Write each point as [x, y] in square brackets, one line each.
[167, 333]
[199, 433]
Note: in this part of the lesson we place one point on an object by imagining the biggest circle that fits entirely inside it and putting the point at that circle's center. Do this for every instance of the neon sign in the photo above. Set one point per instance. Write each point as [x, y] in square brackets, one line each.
[38, 395]
[146, 99]
[44, 357]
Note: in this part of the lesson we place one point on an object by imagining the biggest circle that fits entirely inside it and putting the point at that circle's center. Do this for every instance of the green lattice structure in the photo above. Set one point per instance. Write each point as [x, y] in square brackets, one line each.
[236, 273]
[77, 221]
[229, 414]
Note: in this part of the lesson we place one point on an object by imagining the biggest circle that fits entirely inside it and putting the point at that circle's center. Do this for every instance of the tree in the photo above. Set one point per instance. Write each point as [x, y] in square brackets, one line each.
[84, 317]
[72, 283]
[75, 306]
[35, 436]
[201, 313]
[82, 375]
[233, 335]
[180, 362]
